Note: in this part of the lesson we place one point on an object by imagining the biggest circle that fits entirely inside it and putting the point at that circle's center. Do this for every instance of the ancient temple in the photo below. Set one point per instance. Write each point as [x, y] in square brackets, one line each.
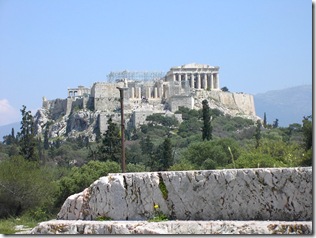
[196, 76]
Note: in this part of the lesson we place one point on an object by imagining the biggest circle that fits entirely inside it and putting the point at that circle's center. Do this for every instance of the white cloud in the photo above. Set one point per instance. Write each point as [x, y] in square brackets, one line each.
[8, 114]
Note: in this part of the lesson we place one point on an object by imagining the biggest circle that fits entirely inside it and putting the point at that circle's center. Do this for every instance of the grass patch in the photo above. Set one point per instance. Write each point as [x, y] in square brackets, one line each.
[103, 218]
[158, 218]
[162, 187]
[7, 225]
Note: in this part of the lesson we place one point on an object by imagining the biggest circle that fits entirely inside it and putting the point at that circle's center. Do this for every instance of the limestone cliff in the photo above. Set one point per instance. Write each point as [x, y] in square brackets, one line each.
[237, 194]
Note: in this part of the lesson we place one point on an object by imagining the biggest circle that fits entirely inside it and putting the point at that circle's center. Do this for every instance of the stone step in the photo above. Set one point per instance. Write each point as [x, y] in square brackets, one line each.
[172, 227]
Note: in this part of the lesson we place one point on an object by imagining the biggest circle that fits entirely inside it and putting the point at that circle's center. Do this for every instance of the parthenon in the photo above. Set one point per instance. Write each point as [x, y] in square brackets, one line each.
[197, 76]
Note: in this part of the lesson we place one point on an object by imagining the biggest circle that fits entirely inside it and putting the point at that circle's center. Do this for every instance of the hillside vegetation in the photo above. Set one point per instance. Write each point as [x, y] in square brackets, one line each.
[38, 174]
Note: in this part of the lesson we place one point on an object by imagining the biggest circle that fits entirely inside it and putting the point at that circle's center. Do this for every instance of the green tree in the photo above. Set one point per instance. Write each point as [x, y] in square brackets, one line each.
[212, 154]
[182, 165]
[308, 140]
[264, 120]
[276, 123]
[167, 158]
[146, 145]
[110, 148]
[27, 136]
[159, 119]
[258, 133]
[163, 158]
[308, 132]
[206, 116]
[24, 186]
[46, 142]
[257, 160]
[225, 89]
[80, 178]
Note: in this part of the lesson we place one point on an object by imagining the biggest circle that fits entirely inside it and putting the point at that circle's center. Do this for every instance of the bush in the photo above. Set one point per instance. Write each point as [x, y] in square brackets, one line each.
[257, 160]
[24, 186]
[212, 154]
[81, 178]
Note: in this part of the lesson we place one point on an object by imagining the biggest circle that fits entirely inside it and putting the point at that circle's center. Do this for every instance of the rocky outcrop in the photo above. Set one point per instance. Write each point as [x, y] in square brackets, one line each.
[237, 194]
[172, 227]
[233, 104]
[79, 123]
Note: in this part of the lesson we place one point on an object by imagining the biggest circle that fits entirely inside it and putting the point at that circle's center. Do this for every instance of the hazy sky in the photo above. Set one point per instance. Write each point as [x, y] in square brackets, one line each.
[49, 46]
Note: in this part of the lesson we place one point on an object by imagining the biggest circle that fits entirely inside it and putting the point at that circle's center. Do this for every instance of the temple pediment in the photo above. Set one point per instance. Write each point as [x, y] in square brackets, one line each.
[195, 65]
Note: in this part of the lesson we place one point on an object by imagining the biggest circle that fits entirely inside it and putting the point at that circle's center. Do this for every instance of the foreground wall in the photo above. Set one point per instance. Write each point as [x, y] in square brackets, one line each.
[237, 194]
[171, 227]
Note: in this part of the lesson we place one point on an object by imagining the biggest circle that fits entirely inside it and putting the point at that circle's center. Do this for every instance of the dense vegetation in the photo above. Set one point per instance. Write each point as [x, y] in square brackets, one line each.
[37, 175]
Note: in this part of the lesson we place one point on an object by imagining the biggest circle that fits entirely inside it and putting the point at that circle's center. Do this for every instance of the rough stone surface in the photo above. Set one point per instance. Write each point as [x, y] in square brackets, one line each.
[172, 227]
[283, 194]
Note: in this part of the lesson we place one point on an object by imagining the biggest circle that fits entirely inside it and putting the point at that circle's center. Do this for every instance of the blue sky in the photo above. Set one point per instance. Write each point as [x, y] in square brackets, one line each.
[48, 46]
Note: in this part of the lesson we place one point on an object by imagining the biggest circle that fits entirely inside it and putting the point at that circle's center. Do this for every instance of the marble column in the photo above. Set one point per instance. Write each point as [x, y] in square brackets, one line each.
[155, 92]
[217, 81]
[174, 77]
[212, 81]
[186, 77]
[205, 81]
[192, 80]
[132, 93]
[198, 81]
[139, 92]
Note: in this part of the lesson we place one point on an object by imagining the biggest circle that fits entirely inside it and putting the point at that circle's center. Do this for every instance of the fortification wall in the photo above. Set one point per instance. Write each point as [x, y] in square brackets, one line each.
[231, 103]
[237, 194]
[180, 101]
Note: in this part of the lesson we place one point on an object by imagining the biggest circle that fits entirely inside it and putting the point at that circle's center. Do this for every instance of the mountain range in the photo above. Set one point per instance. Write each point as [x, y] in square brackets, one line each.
[288, 105]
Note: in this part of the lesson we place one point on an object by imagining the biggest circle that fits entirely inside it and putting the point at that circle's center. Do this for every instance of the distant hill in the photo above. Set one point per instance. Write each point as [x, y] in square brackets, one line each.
[6, 129]
[287, 105]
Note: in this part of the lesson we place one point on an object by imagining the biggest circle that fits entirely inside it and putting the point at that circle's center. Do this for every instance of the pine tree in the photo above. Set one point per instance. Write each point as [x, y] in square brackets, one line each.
[111, 143]
[206, 116]
[27, 137]
[276, 123]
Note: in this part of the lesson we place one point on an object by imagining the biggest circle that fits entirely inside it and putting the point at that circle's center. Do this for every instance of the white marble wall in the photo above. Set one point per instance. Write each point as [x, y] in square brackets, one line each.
[236, 194]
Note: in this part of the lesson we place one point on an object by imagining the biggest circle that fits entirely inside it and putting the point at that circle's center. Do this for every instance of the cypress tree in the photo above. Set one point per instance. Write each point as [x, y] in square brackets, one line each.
[206, 116]
[258, 133]
[264, 120]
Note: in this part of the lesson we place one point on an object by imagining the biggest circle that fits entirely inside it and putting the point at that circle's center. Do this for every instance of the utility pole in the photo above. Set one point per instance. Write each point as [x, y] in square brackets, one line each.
[122, 127]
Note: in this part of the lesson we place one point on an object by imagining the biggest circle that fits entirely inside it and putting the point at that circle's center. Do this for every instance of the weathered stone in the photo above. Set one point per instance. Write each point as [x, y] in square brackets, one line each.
[172, 227]
[235, 194]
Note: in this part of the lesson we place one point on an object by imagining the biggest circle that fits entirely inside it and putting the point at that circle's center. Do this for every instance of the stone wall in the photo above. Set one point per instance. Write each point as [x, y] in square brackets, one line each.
[235, 104]
[180, 101]
[237, 194]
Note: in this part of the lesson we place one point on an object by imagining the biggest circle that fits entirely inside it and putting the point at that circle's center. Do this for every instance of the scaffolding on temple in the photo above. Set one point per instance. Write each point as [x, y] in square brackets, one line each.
[134, 75]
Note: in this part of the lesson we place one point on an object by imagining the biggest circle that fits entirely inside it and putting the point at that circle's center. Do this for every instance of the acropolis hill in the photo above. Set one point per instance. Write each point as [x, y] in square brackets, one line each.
[87, 110]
